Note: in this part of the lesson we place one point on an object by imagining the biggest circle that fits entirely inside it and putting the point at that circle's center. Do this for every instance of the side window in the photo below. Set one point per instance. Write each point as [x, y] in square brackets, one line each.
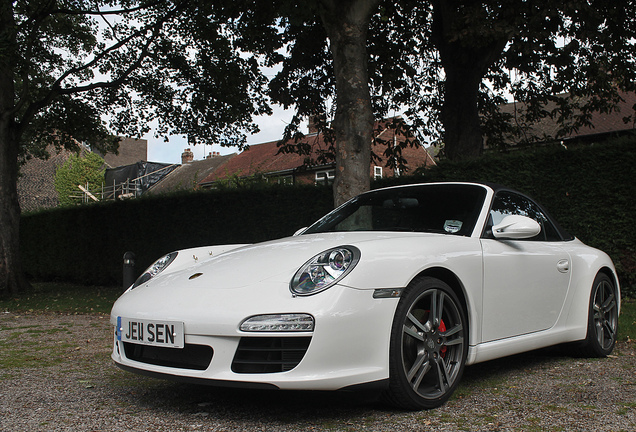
[325, 177]
[509, 203]
[377, 172]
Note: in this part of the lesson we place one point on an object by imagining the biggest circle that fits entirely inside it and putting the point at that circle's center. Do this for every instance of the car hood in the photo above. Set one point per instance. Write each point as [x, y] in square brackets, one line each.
[279, 260]
[255, 278]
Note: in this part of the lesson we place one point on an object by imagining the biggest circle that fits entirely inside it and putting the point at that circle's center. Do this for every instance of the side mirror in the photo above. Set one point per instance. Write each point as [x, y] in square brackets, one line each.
[516, 227]
[300, 231]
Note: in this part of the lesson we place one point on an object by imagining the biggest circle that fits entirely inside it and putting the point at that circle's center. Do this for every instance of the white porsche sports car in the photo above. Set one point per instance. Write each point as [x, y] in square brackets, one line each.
[398, 289]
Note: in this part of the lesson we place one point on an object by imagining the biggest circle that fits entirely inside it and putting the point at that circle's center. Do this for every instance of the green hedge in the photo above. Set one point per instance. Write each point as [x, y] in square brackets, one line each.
[86, 244]
[590, 189]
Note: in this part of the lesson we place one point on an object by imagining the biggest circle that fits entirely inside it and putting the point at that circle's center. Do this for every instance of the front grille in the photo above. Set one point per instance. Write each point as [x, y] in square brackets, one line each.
[197, 357]
[269, 354]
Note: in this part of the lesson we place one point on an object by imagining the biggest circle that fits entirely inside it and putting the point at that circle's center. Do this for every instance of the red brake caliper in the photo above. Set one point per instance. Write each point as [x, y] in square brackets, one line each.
[442, 328]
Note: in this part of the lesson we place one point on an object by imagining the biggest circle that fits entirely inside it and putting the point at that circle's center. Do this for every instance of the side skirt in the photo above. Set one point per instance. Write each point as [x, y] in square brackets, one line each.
[519, 344]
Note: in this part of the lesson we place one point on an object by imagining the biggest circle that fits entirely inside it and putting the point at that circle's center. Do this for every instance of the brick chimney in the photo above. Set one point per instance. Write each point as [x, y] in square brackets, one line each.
[187, 156]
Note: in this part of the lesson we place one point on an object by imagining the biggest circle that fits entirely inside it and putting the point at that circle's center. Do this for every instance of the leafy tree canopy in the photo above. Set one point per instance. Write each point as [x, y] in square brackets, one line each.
[190, 68]
[449, 65]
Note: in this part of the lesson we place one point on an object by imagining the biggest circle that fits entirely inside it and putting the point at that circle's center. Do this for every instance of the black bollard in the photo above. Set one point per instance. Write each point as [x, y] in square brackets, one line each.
[129, 269]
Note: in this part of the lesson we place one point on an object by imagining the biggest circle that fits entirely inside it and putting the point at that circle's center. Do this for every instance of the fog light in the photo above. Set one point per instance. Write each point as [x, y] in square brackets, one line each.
[279, 323]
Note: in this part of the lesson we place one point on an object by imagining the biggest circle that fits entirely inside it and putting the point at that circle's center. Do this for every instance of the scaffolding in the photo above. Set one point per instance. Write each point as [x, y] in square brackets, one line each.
[128, 189]
[124, 189]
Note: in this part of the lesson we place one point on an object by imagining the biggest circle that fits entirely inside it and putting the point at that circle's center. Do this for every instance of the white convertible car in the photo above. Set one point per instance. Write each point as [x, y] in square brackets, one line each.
[398, 289]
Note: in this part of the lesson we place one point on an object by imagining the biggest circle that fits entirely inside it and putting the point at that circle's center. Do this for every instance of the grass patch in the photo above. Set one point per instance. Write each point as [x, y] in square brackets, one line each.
[627, 320]
[32, 346]
[32, 356]
[622, 411]
[555, 408]
[63, 298]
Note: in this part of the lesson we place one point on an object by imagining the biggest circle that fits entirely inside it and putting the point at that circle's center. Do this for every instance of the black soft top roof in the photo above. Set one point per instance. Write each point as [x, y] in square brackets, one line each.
[496, 187]
[565, 235]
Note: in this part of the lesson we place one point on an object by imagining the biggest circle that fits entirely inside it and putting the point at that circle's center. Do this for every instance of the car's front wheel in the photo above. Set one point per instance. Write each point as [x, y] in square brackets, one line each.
[429, 345]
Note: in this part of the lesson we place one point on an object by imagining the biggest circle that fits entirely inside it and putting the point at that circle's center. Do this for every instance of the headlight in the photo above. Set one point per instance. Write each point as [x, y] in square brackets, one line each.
[324, 270]
[155, 269]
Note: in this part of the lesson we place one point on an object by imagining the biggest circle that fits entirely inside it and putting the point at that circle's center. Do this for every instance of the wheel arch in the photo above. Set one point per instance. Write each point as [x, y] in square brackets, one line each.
[610, 273]
[449, 277]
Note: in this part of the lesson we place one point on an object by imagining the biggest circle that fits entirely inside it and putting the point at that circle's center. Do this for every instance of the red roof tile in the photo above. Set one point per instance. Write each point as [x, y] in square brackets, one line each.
[265, 158]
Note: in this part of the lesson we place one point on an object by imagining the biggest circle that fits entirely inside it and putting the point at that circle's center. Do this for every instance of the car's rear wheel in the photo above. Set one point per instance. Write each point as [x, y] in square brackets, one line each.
[602, 325]
[429, 345]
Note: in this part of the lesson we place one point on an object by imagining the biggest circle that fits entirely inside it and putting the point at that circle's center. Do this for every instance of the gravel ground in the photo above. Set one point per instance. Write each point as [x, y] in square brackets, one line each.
[57, 375]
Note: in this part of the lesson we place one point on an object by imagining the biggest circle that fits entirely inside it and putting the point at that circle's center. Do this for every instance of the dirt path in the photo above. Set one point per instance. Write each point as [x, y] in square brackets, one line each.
[57, 375]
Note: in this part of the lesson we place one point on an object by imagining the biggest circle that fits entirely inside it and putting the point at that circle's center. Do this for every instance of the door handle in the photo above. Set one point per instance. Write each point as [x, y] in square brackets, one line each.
[563, 266]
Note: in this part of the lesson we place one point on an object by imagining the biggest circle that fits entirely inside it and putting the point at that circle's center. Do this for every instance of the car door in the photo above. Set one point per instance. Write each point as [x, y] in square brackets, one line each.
[525, 281]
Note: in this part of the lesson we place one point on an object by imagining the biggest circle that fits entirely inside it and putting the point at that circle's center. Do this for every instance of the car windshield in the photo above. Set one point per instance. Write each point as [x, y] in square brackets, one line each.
[441, 208]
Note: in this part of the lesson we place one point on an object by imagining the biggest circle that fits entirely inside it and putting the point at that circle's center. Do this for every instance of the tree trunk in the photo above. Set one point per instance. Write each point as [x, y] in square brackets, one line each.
[466, 55]
[460, 113]
[12, 281]
[347, 23]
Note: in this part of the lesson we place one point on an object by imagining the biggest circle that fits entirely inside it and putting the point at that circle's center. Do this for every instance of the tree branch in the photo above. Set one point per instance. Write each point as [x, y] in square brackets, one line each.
[56, 89]
[109, 12]
[38, 19]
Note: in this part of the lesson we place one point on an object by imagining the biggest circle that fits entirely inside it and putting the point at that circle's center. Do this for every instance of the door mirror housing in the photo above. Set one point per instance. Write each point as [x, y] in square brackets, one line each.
[516, 227]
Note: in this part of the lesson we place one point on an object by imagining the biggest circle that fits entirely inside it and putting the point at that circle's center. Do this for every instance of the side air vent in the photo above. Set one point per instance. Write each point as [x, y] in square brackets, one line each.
[269, 354]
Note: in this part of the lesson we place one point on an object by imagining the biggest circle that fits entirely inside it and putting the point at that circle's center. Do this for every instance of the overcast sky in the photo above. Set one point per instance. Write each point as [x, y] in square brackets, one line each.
[170, 152]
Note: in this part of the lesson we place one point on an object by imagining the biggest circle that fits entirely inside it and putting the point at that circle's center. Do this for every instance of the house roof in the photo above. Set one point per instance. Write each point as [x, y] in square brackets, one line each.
[188, 175]
[613, 121]
[602, 122]
[415, 156]
[130, 151]
[259, 158]
[266, 159]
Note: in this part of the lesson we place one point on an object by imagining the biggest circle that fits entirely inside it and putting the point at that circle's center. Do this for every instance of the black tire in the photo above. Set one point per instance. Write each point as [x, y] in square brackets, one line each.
[602, 321]
[429, 345]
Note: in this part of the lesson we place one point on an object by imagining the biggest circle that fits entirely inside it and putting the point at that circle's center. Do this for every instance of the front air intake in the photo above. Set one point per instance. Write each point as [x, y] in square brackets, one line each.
[269, 354]
[197, 357]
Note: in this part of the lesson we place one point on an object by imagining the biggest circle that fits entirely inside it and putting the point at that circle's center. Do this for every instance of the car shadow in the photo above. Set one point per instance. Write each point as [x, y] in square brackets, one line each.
[246, 405]
[286, 407]
[481, 374]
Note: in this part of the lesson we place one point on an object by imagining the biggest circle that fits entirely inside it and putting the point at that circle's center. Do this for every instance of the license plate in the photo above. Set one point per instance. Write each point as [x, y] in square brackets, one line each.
[151, 332]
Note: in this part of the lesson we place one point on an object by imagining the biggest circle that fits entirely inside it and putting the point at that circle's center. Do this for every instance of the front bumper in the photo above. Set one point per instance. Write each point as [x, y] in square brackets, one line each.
[348, 347]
